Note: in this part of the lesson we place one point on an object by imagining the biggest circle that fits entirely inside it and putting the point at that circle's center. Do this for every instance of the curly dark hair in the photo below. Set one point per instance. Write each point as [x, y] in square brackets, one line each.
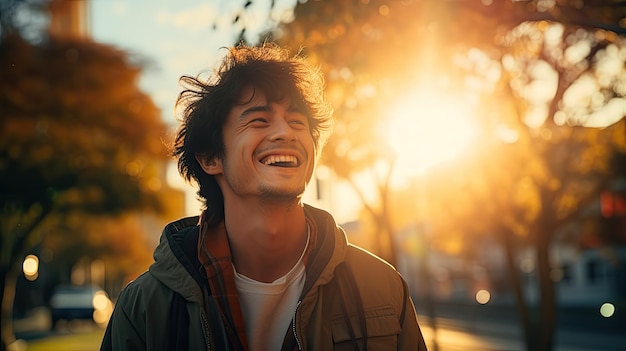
[206, 104]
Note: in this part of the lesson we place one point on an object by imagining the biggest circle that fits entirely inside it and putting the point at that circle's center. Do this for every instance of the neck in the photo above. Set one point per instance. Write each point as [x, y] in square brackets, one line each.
[266, 240]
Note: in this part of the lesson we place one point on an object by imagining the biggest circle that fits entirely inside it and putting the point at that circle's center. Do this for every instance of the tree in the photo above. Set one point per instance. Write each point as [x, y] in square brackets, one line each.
[565, 148]
[367, 47]
[77, 137]
[564, 159]
[502, 192]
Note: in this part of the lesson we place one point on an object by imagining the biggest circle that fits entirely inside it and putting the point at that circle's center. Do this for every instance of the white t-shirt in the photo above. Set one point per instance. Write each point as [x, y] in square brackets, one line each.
[268, 307]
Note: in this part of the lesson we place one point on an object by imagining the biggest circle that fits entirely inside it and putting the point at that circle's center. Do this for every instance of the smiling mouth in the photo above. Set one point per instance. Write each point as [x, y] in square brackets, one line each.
[280, 161]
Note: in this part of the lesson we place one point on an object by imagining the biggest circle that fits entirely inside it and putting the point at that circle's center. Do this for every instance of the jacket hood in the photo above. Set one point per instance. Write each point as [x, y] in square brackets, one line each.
[329, 250]
[171, 265]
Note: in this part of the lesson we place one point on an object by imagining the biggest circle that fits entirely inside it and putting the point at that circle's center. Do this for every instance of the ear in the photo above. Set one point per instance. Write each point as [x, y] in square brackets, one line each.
[211, 166]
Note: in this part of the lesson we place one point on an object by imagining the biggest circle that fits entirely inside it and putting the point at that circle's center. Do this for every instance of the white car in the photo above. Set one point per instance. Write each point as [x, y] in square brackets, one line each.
[70, 302]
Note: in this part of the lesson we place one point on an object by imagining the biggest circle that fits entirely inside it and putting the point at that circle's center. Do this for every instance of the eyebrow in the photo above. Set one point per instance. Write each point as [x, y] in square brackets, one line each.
[268, 108]
[260, 108]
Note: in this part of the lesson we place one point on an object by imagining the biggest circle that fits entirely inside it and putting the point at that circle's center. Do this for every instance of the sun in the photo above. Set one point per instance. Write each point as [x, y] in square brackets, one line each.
[428, 127]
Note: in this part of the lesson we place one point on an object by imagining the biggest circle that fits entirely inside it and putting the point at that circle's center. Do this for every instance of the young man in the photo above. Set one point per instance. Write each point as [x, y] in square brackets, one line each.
[258, 269]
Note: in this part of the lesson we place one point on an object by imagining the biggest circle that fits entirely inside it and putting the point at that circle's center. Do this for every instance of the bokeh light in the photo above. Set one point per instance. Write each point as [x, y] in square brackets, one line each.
[607, 310]
[30, 266]
[103, 308]
[483, 296]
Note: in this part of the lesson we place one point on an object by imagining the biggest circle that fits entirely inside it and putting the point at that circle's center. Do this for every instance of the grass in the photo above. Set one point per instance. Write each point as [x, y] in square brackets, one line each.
[83, 341]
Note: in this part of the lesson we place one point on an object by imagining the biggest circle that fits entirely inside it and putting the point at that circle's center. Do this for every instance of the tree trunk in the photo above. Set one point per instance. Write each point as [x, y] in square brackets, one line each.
[385, 224]
[516, 281]
[429, 301]
[391, 251]
[7, 289]
[547, 303]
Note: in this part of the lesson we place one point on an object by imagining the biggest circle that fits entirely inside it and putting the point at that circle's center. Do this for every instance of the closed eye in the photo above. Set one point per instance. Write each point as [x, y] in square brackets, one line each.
[258, 122]
[299, 120]
[256, 115]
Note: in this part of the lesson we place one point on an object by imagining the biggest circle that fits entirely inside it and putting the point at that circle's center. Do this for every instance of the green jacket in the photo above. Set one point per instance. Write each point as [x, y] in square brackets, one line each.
[348, 294]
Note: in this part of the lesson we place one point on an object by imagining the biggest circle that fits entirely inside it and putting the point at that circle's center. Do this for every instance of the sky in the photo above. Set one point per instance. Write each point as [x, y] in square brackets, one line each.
[177, 37]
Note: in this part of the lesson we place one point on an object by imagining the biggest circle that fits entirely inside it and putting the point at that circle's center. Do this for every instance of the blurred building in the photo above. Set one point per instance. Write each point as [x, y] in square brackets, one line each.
[589, 277]
[68, 18]
[588, 262]
[591, 269]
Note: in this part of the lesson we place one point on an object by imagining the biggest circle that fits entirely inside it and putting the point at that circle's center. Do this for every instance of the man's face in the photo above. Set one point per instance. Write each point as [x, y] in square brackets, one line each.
[269, 150]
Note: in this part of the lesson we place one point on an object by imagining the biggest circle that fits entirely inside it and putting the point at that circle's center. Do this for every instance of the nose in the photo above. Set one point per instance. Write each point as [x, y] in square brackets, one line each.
[281, 130]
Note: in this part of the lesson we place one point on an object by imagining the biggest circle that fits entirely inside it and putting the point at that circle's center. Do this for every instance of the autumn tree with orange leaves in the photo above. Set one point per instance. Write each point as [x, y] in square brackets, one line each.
[78, 141]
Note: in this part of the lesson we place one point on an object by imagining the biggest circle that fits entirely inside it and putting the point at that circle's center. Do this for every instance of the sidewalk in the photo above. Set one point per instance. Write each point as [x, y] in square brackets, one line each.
[494, 328]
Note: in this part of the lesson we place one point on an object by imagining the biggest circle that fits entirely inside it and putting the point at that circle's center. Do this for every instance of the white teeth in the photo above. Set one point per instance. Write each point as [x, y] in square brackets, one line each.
[280, 159]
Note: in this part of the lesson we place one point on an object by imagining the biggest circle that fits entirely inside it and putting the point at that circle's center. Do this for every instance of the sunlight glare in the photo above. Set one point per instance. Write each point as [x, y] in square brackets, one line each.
[428, 127]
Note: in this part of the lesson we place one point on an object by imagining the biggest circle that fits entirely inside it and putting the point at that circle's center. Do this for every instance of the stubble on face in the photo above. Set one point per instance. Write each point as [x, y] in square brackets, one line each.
[268, 191]
[273, 192]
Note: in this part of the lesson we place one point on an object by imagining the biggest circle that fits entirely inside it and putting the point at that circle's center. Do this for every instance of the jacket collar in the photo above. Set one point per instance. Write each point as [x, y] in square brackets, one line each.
[171, 265]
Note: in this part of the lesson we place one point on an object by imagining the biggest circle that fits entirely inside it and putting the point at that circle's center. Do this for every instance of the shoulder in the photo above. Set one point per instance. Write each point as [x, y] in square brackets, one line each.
[356, 255]
[375, 275]
[144, 293]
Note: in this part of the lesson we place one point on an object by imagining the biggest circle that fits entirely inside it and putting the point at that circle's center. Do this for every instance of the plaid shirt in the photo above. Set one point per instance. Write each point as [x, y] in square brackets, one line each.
[216, 258]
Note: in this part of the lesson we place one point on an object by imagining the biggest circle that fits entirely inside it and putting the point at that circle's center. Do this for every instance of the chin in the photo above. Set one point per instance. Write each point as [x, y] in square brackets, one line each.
[281, 192]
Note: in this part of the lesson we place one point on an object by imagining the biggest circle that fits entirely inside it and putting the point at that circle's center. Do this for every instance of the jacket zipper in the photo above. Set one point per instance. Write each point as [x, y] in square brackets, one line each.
[295, 334]
[207, 331]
